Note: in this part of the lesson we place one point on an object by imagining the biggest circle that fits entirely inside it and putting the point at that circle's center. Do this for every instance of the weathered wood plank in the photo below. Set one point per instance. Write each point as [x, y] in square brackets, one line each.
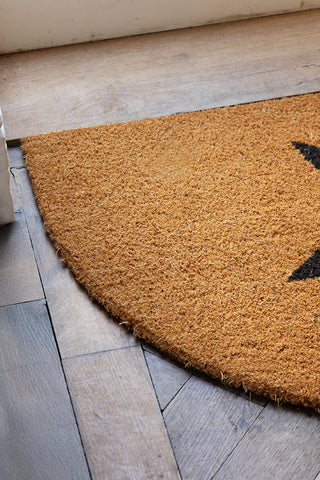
[167, 377]
[19, 277]
[14, 191]
[282, 443]
[205, 423]
[198, 68]
[159, 74]
[15, 157]
[81, 326]
[119, 418]
[39, 438]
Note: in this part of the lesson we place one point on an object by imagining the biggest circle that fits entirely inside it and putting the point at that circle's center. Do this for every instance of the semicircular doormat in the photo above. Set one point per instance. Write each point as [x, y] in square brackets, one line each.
[201, 232]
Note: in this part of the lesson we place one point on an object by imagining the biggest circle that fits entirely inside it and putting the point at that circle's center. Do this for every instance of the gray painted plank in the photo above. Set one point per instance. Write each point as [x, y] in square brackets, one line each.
[205, 422]
[39, 439]
[14, 192]
[19, 277]
[120, 421]
[167, 377]
[15, 157]
[283, 443]
[81, 326]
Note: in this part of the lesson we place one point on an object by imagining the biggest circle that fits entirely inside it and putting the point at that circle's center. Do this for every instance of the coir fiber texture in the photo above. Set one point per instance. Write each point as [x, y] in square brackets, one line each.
[201, 233]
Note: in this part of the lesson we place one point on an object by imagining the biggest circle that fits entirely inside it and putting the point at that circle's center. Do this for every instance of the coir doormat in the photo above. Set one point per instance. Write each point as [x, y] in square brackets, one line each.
[201, 233]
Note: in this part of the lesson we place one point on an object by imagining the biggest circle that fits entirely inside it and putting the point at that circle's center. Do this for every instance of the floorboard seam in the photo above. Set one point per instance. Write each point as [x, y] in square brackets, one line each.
[14, 142]
[317, 476]
[69, 393]
[177, 392]
[22, 167]
[165, 359]
[236, 446]
[161, 411]
[151, 379]
[31, 241]
[42, 299]
[98, 352]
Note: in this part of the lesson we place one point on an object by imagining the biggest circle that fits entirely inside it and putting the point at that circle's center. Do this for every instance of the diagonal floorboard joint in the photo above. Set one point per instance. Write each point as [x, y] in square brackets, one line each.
[69, 393]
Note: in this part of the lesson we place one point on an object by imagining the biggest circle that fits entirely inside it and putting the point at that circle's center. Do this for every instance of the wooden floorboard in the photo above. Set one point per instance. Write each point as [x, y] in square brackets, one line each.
[159, 74]
[15, 157]
[167, 377]
[120, 420]
[215, 433]
[19, 277]
[283, 443]
[205, 423]
[39, 438]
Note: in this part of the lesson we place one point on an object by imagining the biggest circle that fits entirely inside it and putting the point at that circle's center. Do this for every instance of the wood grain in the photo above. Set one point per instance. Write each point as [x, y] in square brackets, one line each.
[167, 377]
[19, 277]
[15, 157]
[39, 438]
[81, 326]
[283, 443]
[120, 80]
[159, 74]
[205, 423]
[119, 418]
[14, 191]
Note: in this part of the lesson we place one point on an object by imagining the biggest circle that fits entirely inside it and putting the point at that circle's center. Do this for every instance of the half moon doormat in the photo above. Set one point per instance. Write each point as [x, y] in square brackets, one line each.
[201, 233]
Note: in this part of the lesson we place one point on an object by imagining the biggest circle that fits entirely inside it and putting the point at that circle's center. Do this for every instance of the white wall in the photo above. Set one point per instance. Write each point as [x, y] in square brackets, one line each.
[32, 24]
[6, 205]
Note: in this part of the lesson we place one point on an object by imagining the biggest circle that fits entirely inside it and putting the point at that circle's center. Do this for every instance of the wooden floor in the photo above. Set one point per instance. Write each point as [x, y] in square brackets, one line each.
[79, 397]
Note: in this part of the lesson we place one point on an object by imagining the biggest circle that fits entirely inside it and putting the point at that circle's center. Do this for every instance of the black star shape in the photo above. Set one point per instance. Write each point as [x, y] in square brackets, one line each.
[310, 268]
[311, 153]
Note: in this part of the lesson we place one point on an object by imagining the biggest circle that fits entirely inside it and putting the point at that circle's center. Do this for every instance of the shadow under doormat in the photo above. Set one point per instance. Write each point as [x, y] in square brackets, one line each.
[201, 233]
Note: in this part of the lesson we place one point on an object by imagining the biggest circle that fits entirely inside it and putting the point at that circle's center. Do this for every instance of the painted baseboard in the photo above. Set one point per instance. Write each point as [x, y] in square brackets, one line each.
[6, 205]
[46, 23]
